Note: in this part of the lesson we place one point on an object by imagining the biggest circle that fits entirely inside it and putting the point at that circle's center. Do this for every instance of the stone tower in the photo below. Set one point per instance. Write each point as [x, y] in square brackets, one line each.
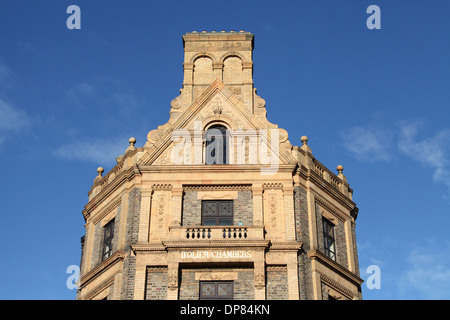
[218, 204]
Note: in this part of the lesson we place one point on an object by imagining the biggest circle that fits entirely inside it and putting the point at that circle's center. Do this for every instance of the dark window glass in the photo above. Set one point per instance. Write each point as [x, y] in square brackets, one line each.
[216, 151]
[328, 239]
[108, 235]
[217, 212]
[216, 290]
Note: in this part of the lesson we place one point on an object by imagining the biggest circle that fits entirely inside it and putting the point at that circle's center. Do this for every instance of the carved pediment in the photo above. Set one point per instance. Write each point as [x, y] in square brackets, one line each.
[216, 105]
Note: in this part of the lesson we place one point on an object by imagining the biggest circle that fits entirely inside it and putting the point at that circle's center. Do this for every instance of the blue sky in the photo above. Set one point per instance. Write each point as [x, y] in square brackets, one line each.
[375, 101]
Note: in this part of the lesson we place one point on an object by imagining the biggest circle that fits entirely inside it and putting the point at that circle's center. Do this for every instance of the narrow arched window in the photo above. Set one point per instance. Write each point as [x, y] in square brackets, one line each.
[216, 151]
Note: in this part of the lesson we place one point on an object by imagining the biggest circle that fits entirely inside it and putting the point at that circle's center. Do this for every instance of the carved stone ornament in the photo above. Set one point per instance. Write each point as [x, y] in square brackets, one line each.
[217, 107]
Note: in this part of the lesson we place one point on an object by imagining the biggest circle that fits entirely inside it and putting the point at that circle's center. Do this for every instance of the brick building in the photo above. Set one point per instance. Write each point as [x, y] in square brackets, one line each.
[218, 204]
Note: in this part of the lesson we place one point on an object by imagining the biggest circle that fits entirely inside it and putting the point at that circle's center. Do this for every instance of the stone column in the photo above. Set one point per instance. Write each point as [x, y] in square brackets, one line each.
[139, 283]
[260, 280]
[144, 220]
[349, 243]
[172, 285]
[289, 217]
[218, 70]
[123, 221]
[312, 220]
[89, 244]
[177, 205]
[188, 83]
[258, 217]
[292, 275]
[317, 283]
[117, 286]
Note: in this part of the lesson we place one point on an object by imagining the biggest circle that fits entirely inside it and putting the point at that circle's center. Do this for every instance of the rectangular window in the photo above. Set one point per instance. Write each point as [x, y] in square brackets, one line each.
[216, 290]
[217, 212]
[108, 235]
[328, 239]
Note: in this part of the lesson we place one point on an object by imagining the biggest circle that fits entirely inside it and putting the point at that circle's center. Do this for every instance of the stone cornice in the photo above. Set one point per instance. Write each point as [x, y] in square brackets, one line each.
[211, 187]
[338, 287]
[212, 168]
[99, 216]
[215, 244]
[145, 247]
[124, 176]
[326, 186]
[102, 267]
[289, 246]
[116, 168]
[317, 255]
[331, 208]
[105, 284]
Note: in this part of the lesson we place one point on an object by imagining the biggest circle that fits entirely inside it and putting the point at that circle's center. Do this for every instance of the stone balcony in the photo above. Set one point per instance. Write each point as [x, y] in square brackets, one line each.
[215, 236]
[213, 233]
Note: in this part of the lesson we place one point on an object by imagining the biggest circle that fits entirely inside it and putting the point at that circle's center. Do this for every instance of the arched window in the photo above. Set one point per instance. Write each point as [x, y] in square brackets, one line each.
[216, 151]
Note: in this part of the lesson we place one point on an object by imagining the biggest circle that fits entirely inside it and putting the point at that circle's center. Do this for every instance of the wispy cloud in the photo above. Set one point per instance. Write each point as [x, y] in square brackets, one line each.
[432, 152]
[371, 144]
[7, 77]
[79, 91]
[427, 273]
[104, 92]
[12, 118]
[368, 143]
[100, 151]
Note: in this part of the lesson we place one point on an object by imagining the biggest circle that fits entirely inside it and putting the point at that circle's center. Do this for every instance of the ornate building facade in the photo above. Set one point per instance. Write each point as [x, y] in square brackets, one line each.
[218, 204]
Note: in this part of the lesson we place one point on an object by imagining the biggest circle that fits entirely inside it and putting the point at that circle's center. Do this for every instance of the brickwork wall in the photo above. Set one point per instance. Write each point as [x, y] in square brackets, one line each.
[276, 283]
[99, 234]
[132, 230]
[242, 208]
[339, 235]
[302, 234]
[355, 250]
[243, 287]
[156, 284]
[189, 287]
[192, 209]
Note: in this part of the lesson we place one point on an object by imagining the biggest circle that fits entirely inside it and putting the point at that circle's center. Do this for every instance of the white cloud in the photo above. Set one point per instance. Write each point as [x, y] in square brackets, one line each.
[101, 152]
[7, 77]
[80, 90]
[11, 117]
[368, 144]
[432, 151]
[427, 274]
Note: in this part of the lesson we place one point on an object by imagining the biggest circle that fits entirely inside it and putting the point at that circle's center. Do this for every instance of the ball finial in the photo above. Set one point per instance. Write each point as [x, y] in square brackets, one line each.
[304, 139]
[132, 141]
[100, 171]
[340, 168]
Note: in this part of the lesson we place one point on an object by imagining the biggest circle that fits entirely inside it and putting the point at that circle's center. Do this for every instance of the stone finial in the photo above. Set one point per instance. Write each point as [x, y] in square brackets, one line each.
[132, 141]
[100, 171]
[340, 169]
[304, 139]
[305, 146]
